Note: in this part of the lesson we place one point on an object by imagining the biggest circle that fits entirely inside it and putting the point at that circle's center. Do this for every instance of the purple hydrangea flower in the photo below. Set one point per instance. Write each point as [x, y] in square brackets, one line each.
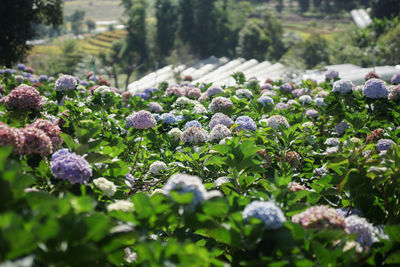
[155, 107]
[396, 78]
[84, 83]
[26, 74]
[180, 118]
[375, 88]
[70, 166]
[384, 144]
[149, 91]
[141, 120]
[193, 123]
[265, 99]
[65, 83]
[219, 118]
[331, 74]
[168, 118]
[214, 91]
[267, 86]
[21, 67]
[246, 123]
[312, 113]
[23, 97]
[281, 105]
[220, 103]
[267, 211]
[142, 95]
[341, 127]
[286, 87]
[363, 229]
[43, 78]
[244, 93]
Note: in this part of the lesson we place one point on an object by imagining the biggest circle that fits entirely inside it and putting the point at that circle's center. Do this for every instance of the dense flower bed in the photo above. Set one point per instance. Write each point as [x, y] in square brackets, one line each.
[256, 174]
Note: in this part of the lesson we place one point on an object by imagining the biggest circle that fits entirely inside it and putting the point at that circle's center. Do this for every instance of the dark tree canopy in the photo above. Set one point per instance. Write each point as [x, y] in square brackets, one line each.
[17, 18]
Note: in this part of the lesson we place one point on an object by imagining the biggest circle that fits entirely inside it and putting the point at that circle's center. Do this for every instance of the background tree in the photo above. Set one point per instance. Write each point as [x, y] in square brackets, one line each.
[76, 20]
[385, 8]
[17, 18]
[134, 51]
[110, 61]
[167, 25]
[315, 51]
[91, 25]
[304, 5]
[253, 42]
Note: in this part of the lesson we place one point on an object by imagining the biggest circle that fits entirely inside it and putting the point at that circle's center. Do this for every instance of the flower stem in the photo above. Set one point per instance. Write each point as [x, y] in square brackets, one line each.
[137, 153]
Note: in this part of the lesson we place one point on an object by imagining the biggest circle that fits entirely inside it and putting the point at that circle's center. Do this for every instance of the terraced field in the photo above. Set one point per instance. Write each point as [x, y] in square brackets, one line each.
[101, 42]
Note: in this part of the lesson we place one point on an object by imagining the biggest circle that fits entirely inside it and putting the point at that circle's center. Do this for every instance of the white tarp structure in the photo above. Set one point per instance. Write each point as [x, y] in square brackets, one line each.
[361, 18]
[219, 72]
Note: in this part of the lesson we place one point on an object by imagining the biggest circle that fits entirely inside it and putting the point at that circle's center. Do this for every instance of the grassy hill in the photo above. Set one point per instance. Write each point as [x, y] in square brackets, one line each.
[97, 10]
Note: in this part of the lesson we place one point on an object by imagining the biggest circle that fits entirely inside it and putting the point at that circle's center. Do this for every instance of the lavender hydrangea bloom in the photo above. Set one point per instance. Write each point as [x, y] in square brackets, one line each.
[43, 78]
[267, 211]
[219, 132]
[168, 118]
[155, 107]
[265, 99]
[375, 88]
[312, 113]
[149, 91]
[214, 91]
[267, 86]
[287, 87]
[84, 83]
[183, 183]
[396, 78]
[194, 135]
[21, 67]
[384, 144]
[331, 74]
[220, 118]
[65, 83]
[70, 166]
[244, 93]
[142, 96]
[363, 229]
[245, 123]
[342, 86]
[319, 101]
[281, 105]
[141, 120]
[192, 124]
[221, 104]
[341, 127]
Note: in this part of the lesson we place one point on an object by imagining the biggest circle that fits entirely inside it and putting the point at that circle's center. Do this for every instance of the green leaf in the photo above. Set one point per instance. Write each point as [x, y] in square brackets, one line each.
[185, 198]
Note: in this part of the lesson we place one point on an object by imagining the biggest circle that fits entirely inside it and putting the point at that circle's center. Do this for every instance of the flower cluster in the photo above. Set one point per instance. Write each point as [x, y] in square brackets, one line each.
[220, 118]
[155, 107]
[372, 75]
[265, 99]
[394, 93]
[221, 104]
[193, 123]
[141, 120]
[305, 99]
[293, 158]
[107, 187]
[168, 118]
[287, 87]
[122, 205]
[10, 136]
[375, 135]
[266, 211]
[276, 121]
[23, 97]
[156, 167]
[51, 130]
[66, 83]
[70, 166]
[175, 133]
[214, 91]
[194, 135]
[342, 86]
[331, 74]
[341, 127]
[244, 93]
[384, 144]
[219, 132]
[36, 141]
[395, 78]
[363, 229]
[183, 183]
[245, 123]
[319, 217]
[375, 88]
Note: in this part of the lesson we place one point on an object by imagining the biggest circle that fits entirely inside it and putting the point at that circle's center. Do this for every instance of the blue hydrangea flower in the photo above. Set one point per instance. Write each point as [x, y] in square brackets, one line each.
[341, 127]
[192, 123]
[84, 83]
[168, 118]
[363, 229]
[70, 166]
[331, 74]
[43, 78]
[266, 211]
[265, 99]
[375, 88]
[384, 144]
[245, 123]
[149, 91]
[395, 78]
[286, 87]
[142, 96]
[180, 118]
[281, 105]
[26, 74]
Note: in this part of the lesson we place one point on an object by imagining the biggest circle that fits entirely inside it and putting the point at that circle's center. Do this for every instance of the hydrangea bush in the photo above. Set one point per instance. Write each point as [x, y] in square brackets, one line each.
[197, 175]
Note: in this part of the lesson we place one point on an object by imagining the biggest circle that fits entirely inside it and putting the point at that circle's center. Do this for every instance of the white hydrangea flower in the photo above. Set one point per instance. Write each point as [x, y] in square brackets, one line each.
[343, 86]
[219, 132]
[277, 120]
[157, 166]
[183, 100]
[199, 109]
[103, 90]
[305, 99]
[308, 124]
[122, 205]
[106, 186]
[175, 133]
[183, 183]
[332, 142]
[363, 229]
[194, 135]
[331, 150]
[266, 211]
